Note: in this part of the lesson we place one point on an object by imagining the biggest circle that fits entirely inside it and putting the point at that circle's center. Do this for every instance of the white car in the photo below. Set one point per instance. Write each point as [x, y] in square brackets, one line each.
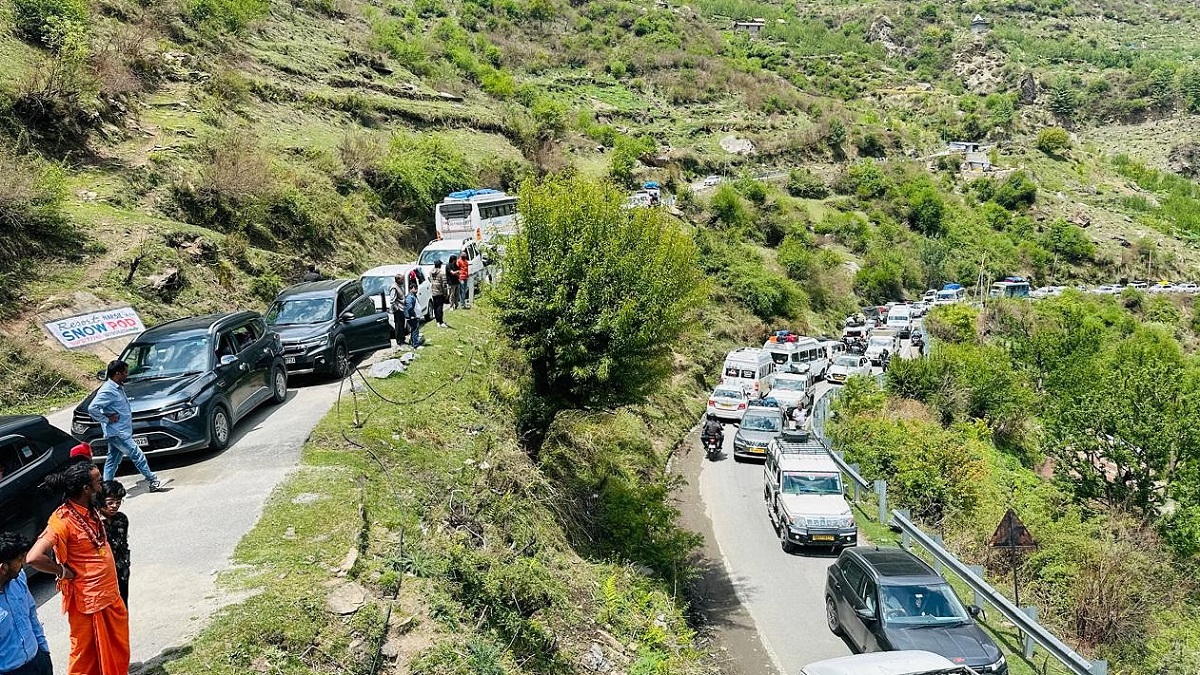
[1108, 289]
[1163, 287]
[846, 367]
[792, 390]
[1140, 285]
[727, 402]
[442, 249]
[378, 281]
[1043, 292]
[711, 181]
[887, 663]
[1187, 287]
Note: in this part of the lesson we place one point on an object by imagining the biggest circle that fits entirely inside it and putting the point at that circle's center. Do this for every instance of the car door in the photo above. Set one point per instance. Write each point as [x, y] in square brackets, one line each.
[233, 373]
[847, 578]
[23, 465]
[864, 634]
[367, 329]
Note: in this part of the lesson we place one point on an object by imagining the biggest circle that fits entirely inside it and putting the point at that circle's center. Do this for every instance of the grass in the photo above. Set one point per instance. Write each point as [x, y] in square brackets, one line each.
[442, 509]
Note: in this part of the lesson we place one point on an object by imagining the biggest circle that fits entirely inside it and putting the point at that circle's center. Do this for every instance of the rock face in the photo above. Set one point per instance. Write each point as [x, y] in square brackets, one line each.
[1185, 159]
[1028, 88]
[737, 146]
[883, 31]
[979, 68]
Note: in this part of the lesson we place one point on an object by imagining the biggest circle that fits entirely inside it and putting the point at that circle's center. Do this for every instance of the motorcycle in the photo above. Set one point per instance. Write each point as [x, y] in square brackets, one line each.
[918, 342]
[712, 447]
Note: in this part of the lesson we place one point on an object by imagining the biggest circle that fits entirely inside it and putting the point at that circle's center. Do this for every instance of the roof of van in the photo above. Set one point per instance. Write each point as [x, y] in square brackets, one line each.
[746, 353]
[798, 462]
[883, 663]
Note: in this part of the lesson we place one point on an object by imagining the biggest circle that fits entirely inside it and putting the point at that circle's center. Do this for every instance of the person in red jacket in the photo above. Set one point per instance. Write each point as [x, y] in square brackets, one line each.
[463, 273]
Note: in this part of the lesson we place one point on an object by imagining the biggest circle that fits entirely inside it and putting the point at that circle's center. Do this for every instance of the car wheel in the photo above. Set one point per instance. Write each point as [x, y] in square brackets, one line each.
[831, 616]
[220, 427]
[785, 543]
[341, 360]
[279, 386]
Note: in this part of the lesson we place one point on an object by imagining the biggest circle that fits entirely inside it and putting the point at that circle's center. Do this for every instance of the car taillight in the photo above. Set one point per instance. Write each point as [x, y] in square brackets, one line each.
[741, 406]
[712, 402]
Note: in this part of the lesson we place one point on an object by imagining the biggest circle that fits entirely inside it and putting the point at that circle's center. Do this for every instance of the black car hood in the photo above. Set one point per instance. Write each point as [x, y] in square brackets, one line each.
[301, 332]
[965, 643]
[154, 395]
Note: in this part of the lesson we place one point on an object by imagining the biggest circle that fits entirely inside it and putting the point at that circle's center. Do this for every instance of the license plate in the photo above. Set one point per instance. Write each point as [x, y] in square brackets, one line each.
[725, 406]
[822, 537]
[289, 360]
[758, 451]
[141, 441]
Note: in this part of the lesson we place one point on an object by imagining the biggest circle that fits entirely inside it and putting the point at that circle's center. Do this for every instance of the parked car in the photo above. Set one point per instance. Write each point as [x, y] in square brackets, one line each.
[711, 181]
[1108, 289]
[1163, 287]
[377, 282]
[907, 662]
[325, 325]
[792, 390]
[1187, 287]
[727, 402]
[886, 599]
[845, 367]
[442, 249]
[805, 501]
[30, 449]
[191, 380]
[760, 425]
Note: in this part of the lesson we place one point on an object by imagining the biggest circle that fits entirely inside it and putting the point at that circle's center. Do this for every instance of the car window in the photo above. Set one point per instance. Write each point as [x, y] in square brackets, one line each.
[171, 356]
[353, 292]
[363, 307]
[853, 573]
[767, 422]
[243, 336]
[225, 345]
[17, 452]
[866, 593]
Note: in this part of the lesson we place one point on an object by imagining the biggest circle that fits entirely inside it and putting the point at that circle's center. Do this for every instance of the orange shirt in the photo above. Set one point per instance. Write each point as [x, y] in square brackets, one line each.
[95, 584]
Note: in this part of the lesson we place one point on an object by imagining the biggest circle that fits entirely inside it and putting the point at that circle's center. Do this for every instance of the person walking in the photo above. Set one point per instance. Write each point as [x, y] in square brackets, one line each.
[116, 526]
[396, 303]
[452, 281]
[437, 287]
[464, 286]
[23, 646]
[110, 407]
[413, 322]
[312, 274]
[87, 576]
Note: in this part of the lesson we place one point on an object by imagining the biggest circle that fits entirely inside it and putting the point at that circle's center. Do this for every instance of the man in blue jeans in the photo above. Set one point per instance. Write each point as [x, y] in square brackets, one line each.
[411, 318]
[110, 407]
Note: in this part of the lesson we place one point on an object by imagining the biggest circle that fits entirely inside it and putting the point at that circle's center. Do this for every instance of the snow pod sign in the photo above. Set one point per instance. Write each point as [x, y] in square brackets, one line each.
[88, 329]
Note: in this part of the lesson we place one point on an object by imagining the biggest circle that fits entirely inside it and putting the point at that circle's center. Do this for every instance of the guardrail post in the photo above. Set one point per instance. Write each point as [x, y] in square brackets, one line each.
[937, 564]
[1099, 667]
[1032, 613]
[977, 570]
[854, 483]
[881, 492]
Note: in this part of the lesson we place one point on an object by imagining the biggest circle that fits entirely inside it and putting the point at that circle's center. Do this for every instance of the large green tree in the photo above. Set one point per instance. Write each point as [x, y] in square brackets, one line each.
[593, 295]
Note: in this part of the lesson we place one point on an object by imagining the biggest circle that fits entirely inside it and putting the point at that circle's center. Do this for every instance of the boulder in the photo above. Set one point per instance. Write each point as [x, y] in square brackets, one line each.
[346, 598]
[1028, 88]
[882, 30]
[1184, 159]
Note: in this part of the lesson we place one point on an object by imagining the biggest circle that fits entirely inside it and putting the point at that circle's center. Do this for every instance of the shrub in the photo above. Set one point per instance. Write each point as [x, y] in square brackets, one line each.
[804, 184]
[34, 19]
[416, 174]
[953, 323]
[729, 207]
[1069, 241]
[626, 156]
[32, 222]
[1015, 192]
[865, 179]
[226, 16]
[766, 294]
[1053, 140]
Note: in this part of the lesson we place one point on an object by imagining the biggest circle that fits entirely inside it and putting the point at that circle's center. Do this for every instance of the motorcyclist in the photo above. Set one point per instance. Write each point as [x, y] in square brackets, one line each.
[713, 429]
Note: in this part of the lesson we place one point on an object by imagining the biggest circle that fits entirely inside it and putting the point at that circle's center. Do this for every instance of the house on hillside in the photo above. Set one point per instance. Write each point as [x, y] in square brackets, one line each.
[967, 146]
[753, 26]
[980, 25]
[977, 161]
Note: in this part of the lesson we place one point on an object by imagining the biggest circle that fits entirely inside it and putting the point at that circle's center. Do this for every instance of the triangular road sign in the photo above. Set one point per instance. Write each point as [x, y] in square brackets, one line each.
[1011, 533]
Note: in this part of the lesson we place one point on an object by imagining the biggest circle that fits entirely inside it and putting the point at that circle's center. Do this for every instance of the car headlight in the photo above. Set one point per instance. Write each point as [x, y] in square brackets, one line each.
[319, 341]
[739, 441]
[846, 522]
[78, 428]
[182, 414]
[995, 667]
[799, 522]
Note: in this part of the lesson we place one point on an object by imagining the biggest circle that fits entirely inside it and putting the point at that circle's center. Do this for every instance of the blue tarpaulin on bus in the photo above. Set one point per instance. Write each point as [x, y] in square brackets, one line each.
[951, 287]
[467, 194]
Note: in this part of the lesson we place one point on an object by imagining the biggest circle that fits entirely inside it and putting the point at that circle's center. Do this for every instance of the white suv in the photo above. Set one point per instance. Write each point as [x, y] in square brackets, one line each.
[888, 663]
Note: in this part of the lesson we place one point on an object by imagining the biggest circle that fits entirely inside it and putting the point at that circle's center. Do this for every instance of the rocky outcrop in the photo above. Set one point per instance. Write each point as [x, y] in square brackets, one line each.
[1185, 160]
[883, 31]
[1028, 89]
[980, 69]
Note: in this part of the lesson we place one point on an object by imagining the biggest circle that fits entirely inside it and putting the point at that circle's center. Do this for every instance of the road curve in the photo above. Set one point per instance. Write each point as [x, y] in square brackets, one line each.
[182, 537]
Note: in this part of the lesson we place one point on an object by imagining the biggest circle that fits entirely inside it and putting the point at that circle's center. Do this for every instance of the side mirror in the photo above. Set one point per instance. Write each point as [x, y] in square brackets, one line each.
[976, 612]
[101, 375]
[865, 613]
[228, 360]
[346, 316]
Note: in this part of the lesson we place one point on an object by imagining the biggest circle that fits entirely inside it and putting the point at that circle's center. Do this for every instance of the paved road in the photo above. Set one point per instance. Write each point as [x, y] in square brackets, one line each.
[181, 538]
[783, 593]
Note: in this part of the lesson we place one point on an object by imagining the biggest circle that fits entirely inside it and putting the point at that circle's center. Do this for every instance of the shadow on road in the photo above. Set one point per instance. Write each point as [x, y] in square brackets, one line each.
[157, 665]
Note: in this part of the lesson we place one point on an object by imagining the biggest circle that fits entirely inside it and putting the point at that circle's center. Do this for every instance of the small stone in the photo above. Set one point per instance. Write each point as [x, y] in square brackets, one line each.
[289, 533]
[306, 498]
[347, 598]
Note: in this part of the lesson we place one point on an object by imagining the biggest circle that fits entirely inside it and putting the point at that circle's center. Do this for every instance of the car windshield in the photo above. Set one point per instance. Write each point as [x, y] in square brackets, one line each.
[881, 341]
[168, 357]
[761, 422]
[924, 605]
[790, 385]
[728, 393]
[848, 361]
[780, 358]
[377, 285]
[295, 311]
[428, 257]
[812, 484]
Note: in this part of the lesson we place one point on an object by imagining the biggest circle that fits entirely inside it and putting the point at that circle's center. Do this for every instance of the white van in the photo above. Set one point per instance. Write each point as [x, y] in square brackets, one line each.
[900, 319]
[796, 354]
[750, 368]
[831, 349]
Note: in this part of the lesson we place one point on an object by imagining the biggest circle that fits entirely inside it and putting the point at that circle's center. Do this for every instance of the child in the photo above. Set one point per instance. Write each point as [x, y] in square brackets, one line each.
[117, 526]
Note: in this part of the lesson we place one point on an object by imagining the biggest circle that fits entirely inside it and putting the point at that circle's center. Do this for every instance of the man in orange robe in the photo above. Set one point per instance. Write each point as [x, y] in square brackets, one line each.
[87, 576]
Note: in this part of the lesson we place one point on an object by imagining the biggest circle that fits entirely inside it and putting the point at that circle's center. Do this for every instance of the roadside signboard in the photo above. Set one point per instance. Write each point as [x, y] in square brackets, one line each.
[88, 329]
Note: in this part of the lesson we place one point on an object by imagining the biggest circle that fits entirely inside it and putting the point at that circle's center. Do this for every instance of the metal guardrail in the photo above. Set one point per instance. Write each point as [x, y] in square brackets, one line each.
[1023, 619]
[1028, 626]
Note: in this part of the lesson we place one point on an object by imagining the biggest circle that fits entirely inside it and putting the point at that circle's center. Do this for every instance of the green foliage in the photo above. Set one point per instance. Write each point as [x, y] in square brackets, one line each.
[226, 16]
[1068, 241]
[34, 19]
[1053, 140]
[729, 207]
[925, 208]
[1063, 99]
[954, 323]
[626, 157]
[593, 295]
[417, 173]
[866, 179]
[804, 184]
[766, 294]
[32, 222]
[1015, 192]
[883, 276]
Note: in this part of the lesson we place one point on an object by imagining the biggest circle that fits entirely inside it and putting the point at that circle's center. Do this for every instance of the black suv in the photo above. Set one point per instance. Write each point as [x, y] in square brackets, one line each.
[324, 325]
[887, 599]
[191, 380]
[30, 448]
